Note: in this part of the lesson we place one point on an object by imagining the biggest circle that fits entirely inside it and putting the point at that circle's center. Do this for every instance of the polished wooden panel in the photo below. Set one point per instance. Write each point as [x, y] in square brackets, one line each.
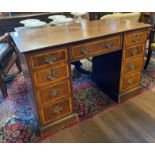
[52, 92]
[55, 36]
[135, 38]
[50, 75]
[132, 66]
[55, 111]
[47, 58]
[130, 81]
[134, 51]
[98, 47]
[29, 84]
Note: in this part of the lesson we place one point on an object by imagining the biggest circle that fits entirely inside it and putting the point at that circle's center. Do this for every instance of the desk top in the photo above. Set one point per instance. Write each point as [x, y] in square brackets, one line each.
[42, 38]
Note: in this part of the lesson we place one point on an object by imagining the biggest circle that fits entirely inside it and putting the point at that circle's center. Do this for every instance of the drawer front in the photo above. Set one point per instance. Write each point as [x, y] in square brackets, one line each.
[134, 52]
[132, 65]
[96, 47]
[54, 112]
[56, 91]
[135, 38]
[130, 82]
[47, 58]
[50, 75]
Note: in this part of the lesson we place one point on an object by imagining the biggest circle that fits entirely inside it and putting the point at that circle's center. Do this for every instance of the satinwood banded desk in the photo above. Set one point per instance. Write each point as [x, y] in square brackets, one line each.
[117, 48]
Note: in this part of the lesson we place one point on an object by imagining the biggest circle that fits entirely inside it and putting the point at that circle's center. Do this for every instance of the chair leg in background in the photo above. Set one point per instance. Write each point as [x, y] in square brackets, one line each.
[148, 58]
[3, 87]
[18, 65]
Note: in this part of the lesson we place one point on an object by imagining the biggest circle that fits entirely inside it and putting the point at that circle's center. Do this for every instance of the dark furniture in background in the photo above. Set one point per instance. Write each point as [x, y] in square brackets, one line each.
[7, 24]
[97, 15]
[8, 57]
[151, 46]
[145, 18]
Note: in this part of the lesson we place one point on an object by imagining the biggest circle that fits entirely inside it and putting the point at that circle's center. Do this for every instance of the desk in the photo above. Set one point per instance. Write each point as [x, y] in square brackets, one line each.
[117, 48]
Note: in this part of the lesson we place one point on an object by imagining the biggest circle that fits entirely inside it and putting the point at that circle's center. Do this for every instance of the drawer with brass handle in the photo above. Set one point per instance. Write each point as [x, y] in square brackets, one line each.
[55, 111]
[99, 46]
[129, 82]
[132, 65]
[46, 58]
[56, 91]
[134, 52]
[50, 75]
[135, 38]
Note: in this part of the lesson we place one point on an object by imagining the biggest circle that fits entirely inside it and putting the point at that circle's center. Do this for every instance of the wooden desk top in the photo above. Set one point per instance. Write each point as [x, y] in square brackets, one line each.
[42, 38]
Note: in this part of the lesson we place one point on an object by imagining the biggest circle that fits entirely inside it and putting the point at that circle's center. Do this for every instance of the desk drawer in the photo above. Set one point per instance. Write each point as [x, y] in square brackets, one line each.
[47, 58]
[135, 38]
[55, 111]
[50, 75]
[96, 47]
[134, 52]
[132, 66]
[56, 91]
[130, 81]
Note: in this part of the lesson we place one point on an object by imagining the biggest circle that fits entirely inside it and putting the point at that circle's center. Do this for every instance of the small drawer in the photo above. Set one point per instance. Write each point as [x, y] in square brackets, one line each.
[96, 47]
[47, 58]
[132, 65]
[53, 92]
[135, 38]
[55, 112]
[50, 75]
[130, 81]
[134, 52]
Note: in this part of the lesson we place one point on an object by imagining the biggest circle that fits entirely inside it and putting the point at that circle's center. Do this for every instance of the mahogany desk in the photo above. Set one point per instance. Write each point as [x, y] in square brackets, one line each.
[117, 48]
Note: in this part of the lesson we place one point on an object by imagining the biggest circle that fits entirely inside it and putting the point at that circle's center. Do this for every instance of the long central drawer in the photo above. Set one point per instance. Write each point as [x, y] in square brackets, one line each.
[98, 47]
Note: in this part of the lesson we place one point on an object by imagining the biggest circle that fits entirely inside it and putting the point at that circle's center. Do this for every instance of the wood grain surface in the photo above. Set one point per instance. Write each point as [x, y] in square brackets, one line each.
[41, 38]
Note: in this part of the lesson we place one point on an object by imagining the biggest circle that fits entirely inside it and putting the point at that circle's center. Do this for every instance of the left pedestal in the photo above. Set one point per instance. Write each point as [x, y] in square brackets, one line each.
[47, 75]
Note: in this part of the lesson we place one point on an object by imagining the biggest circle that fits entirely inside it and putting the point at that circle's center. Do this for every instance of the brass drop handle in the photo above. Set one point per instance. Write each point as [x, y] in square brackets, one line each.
[85, 50]
[57, 109]
[130, 81]
[50, 59]
[135, 52]
[136, 39]
[54, 93]
[52, 75]
[108, 44]
[132, 66]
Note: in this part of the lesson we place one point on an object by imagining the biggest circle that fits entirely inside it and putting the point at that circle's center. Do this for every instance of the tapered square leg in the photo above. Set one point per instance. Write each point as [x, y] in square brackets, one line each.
[3, 87]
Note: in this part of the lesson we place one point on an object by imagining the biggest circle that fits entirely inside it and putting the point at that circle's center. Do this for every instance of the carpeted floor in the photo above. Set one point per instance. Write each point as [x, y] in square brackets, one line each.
[17, 122]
